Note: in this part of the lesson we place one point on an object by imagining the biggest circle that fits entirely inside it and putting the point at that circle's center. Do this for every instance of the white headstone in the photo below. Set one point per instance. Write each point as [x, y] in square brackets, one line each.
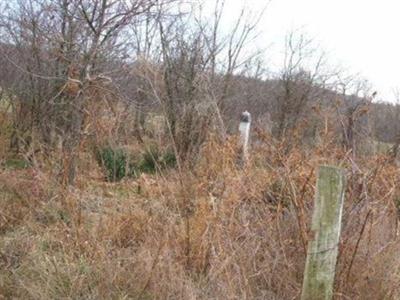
[244, 129]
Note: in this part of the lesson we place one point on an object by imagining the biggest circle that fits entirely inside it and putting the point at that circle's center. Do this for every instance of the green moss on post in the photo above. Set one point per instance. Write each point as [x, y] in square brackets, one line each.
[322, 252]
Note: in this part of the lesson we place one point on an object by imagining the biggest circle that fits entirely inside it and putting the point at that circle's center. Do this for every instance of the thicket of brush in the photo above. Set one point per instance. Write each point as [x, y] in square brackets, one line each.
[212, 231]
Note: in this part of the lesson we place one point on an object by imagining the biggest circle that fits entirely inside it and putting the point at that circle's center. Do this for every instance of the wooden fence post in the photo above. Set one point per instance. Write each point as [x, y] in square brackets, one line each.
[244, 128]
[322, 251]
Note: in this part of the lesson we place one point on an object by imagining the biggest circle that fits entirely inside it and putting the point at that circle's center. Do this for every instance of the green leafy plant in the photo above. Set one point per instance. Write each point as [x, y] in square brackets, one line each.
[150, 160]
[118, 164]
[153, 158]
[114, 162]
[16, 164]
[169, 159]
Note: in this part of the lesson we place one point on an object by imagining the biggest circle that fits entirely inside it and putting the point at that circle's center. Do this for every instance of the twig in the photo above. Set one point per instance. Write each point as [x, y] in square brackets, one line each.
[358, 243]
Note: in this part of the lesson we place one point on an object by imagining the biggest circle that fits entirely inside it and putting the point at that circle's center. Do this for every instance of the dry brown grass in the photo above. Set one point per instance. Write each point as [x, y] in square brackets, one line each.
[215, 232]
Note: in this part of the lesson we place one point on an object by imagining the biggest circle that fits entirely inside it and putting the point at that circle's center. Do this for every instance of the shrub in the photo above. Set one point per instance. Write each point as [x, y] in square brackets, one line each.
[114, 162]
[150, 160]
[117, 163]
[16, 164]
[153, 158]
[169, 159]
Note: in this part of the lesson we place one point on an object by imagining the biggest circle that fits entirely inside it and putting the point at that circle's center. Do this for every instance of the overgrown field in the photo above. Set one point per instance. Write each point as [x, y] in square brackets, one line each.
[213, 231]
[121, 170]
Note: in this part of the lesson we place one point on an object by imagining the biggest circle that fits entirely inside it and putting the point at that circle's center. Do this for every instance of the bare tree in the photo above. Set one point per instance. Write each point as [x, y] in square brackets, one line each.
[64, 49]
[352, 111]
[198, 62]
[302, 80]
[393, 118]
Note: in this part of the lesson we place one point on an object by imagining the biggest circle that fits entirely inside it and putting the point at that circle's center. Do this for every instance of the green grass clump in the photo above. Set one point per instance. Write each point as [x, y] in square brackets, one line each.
[169, 159]
[16, 164]
[153, 158]
[150, 160]
[117, 163]
[114, 163]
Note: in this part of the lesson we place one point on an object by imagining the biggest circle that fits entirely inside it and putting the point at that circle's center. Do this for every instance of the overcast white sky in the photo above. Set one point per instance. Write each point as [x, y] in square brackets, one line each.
[362, 35]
